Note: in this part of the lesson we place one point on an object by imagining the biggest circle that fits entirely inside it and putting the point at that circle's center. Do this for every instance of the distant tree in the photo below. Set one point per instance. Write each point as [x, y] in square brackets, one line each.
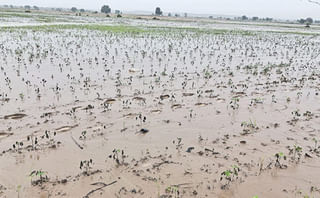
[27, 7]
[11, 6]
[6, 6]
[169, 14]
[255, 18]
[74, 9]
[302, 21]
[269, 19]
[82, 10]
[244, 17]
[309, 20]
[119, 15]
[176, 15]
[59, 9]
[158, 11]
[210, 17]
[117, 12]
[35, 7]
[186, 15]
[105, 9]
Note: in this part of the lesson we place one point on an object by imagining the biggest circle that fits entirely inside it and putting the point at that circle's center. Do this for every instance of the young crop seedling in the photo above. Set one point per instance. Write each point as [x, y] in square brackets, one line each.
[118, 156]
[141, 118]
[86, 166]
[295, 118]
[278, 163]
[21, 95]
[296, 151]
[299, 95]
[249, 127]
[18, 190]
[308, 115]
[34, 141]
[234, 103]
[17, 146]
[288, 99]
[41, 177]
[315, 144]
[83, 135]
[207, 74]
[273, 99]
[178, 143]
[50, 137]
[229, 175]
[173, 191]
[256, 101]
[296, 114]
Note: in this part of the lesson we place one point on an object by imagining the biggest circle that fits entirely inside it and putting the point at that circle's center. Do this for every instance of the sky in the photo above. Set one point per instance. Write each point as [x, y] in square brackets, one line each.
[281, 9]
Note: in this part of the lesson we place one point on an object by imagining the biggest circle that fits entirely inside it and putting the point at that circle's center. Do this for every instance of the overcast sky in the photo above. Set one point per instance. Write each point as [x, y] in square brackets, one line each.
[285, 9]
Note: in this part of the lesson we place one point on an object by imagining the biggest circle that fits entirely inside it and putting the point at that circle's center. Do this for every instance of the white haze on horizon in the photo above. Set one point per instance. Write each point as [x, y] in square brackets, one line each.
[282, 9]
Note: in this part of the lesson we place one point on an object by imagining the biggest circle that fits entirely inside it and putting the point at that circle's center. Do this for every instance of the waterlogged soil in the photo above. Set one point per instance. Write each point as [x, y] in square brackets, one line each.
[88, 113]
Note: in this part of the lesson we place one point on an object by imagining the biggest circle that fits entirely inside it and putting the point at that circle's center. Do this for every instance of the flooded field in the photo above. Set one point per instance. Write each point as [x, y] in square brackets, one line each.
[145, 108]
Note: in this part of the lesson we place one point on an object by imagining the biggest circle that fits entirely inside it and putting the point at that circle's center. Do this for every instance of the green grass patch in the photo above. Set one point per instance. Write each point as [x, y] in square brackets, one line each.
[126, 29]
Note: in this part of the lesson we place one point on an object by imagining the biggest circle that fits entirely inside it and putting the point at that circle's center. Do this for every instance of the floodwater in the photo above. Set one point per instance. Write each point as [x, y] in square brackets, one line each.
[167, 114]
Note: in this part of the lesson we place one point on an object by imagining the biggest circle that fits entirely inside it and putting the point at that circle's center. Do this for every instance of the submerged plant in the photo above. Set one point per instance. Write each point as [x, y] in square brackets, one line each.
[249, 127]
[297, 153]
[278, 163]
[34, 141]
[315, 144]
[86, 166]
[173, 190]
[118, 156]
[229, 176]
[234, 103]
[83, 135]
[41, 177]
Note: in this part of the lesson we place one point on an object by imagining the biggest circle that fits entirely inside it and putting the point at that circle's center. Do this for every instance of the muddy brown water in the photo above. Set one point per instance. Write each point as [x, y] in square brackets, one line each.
[92, 93]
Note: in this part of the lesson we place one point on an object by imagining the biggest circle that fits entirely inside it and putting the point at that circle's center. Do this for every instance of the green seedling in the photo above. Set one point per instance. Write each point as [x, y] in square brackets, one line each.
[118, 156]
[278, 163]
[207, 74]
[18, 190]
[40, 175]
[164, 73]
[229, 176]
[297, 153]
[256, 101]
[308, 115]
[173, 190]
[21, 95]
[249, 127]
